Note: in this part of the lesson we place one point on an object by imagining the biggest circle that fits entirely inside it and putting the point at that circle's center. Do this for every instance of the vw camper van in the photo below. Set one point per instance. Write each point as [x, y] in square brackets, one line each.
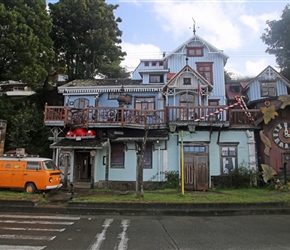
[30, 173]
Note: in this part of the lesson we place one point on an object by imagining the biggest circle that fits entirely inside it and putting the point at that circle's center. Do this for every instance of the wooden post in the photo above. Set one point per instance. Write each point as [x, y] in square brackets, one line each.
[93, 154]
[65, 163]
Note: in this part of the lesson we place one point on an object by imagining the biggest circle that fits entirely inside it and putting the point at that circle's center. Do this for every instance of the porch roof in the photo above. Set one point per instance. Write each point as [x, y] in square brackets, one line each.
[79, 144]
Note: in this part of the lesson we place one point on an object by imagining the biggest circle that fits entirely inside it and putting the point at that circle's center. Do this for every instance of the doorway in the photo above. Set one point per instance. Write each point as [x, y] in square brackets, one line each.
[83, 166]
[196, 169]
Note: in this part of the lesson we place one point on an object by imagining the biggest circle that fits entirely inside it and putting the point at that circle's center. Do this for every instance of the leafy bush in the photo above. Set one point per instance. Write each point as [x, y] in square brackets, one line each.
[172, 180]
[241, 177]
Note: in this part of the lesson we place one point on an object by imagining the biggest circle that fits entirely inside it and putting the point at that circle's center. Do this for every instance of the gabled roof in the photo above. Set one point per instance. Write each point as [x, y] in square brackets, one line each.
[269, 73]
[195, 73]
[210, 47]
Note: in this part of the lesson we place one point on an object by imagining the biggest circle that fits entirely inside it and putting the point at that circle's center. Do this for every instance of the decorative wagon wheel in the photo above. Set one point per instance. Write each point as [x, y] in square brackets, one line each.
[111, 115]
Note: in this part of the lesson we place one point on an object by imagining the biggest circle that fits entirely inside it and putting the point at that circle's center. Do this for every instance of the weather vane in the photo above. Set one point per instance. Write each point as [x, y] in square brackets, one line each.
[194, 30]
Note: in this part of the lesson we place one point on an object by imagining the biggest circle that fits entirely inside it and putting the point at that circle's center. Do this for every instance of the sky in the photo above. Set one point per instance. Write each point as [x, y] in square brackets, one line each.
[151, 27]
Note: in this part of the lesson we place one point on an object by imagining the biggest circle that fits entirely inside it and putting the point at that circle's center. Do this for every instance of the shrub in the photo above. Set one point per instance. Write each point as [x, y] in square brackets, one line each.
[241, 177]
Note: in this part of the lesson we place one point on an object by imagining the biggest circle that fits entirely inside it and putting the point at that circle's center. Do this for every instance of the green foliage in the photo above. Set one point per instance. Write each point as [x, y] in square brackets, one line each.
[277, 38]
[86, 38]
[172, 180]
[25, 45]
[24, 126]
[241, 177]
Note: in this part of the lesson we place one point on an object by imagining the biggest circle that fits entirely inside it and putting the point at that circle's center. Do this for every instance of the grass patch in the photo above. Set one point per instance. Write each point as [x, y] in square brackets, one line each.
[173, 196]
[18, 195]
[246, 195]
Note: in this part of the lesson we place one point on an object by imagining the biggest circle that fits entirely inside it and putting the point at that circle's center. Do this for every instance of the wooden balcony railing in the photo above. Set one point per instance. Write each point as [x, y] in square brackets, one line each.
[126, 117]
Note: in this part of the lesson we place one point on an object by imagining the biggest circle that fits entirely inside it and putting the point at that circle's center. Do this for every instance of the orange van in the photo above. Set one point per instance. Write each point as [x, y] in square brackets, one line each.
[30, 173]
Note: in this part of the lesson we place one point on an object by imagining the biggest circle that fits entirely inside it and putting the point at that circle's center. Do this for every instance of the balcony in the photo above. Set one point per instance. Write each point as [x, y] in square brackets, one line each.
[92, 117]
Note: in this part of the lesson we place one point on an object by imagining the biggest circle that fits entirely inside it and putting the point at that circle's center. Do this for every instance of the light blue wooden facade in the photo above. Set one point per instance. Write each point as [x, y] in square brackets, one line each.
[181, 90]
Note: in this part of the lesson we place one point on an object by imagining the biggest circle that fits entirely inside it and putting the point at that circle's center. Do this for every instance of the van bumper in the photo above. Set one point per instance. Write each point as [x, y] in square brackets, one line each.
[53, 187]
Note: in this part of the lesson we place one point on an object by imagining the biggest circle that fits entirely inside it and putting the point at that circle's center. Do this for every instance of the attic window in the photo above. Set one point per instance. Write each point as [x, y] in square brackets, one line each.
[146, 64]
[186, 81]
[154, 63]
[268, 89]
[194, 51]
[160, 63]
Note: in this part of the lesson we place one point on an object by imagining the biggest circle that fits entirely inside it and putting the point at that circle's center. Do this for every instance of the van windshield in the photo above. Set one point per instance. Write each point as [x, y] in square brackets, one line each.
[49, 165]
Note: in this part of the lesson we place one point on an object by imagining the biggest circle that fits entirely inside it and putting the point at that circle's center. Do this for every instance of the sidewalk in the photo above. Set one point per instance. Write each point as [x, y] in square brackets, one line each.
[61, 203]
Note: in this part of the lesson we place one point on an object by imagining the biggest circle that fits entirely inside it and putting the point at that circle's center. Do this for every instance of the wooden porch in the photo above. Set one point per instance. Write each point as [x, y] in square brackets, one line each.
[92, 117]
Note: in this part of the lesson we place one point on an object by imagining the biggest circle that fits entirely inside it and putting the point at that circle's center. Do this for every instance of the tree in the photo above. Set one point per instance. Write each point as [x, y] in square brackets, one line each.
[277, 37]
[25, 45]
[24, 125]
[86, 38]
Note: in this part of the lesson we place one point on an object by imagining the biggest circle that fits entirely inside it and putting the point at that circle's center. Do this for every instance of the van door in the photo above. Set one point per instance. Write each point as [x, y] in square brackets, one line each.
[34, 173]
[17, 175]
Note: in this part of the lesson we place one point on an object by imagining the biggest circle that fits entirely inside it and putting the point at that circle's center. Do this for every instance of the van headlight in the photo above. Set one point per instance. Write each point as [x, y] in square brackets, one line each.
[50, 179]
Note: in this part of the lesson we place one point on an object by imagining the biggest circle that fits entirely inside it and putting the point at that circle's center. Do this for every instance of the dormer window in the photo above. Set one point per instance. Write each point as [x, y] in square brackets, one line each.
[186, 81]
[194, 51]
[268, 89]
[156, 78]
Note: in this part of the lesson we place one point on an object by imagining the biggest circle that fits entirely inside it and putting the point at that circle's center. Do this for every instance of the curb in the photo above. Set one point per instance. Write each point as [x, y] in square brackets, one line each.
[150, 209]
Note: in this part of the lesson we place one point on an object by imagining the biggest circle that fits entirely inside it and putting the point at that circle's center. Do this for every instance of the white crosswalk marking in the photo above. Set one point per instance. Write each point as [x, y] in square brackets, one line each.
[40, 217]
[37, 222]
[25, 237]
[41, 221]
[32, 229]
[10, 247]
[123, 236]
[100, 237]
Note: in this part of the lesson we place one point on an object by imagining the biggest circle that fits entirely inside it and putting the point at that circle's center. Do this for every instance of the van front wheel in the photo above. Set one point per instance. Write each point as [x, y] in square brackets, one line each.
[30, 188]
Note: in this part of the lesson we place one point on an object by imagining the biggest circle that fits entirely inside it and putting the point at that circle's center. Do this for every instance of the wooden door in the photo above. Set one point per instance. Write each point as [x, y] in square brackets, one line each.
[196, 171]
[83, 166]
[201, 168]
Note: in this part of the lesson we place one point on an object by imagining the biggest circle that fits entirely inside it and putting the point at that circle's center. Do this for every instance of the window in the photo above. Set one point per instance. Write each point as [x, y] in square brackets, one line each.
[146, 64]
[49, 165]
[147, 159]
[186, 101]
[32, 165]
[229, 158]
[160, 63]
[194, 149]
[113, 95]
[145, 103]
[215, 104]
[117, 155]
[186, 81]
[268, 89]
[194, 51]
[81, 103]
[156, 78]
[205, 69]
[154, 63]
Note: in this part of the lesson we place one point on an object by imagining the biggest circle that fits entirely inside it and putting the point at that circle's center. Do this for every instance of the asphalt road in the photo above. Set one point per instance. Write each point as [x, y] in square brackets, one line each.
[53, 232]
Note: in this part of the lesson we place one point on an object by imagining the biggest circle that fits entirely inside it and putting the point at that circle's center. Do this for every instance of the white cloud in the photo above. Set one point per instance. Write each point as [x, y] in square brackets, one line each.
[215, 21]
[256, 67]
[135, 52]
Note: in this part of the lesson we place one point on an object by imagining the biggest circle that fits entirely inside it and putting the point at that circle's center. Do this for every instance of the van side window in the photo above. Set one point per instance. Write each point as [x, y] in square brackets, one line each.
[32, 165]
[8, 165]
